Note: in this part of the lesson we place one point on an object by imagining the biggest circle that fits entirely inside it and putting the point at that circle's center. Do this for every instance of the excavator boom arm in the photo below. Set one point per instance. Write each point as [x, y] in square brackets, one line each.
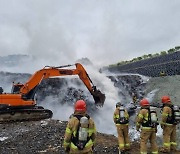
[20, 105]
[45, 73]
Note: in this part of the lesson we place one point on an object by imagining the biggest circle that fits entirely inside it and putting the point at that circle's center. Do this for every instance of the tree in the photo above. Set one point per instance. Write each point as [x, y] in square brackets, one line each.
[139, 58]
[145, 56]
[163, 52]
[177, 48]
[155, 55]
[120, 63]
[171, 50]
[150, 55]
[134, 59]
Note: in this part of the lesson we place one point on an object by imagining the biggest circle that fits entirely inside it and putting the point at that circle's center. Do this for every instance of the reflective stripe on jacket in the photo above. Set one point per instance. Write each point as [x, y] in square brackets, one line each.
[117, 116]
[166, 113]
[142, 118]
[71, 130]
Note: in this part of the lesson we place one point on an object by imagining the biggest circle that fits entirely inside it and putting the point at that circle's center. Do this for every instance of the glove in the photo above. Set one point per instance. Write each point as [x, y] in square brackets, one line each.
[137, 128]
[156, 130]
[67, 149]
[162, 126]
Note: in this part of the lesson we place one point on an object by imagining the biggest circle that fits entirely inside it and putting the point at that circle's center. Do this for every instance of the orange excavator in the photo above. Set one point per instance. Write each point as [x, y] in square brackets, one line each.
[20, 104]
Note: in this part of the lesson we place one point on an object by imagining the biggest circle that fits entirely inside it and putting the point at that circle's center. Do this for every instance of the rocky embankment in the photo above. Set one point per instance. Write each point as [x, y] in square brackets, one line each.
[169, 64]
[165, 85]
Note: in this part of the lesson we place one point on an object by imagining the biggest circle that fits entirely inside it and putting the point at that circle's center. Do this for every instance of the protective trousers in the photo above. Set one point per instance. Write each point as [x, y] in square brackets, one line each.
[80, 152]
[145, 136]
[169, 138]
[123, 137]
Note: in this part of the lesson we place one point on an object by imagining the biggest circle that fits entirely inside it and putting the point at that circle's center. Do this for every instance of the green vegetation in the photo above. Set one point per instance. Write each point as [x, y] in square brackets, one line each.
[172, 50]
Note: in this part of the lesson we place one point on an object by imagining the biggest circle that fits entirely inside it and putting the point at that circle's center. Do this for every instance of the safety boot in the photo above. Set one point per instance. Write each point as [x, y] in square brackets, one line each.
[121, 151]
[174, 150]
[164, 151]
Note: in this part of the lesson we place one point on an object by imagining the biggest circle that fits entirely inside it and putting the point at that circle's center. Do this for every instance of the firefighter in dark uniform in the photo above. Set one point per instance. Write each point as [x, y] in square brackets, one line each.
[80, 132]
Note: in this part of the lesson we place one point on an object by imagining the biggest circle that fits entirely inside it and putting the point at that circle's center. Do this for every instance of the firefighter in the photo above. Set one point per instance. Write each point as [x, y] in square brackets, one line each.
[168, 124]
[147, 120]
[121, 120]
[80, 132]
[134, 97]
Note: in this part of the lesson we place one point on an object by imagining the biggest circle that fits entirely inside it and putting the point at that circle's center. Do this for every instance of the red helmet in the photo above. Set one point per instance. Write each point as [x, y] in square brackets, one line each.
[80, 105]
[144, 102]
[165, 99]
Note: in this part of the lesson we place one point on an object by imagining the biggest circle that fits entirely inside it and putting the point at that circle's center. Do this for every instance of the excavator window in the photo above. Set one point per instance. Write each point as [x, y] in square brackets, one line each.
[1, 90]
[16, 88]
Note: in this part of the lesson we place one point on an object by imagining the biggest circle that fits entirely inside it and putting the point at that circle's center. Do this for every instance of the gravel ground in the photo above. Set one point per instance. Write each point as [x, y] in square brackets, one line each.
[46, 137]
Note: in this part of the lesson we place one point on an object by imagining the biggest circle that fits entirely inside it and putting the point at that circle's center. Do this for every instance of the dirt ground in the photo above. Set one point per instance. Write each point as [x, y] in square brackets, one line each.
[46, 137]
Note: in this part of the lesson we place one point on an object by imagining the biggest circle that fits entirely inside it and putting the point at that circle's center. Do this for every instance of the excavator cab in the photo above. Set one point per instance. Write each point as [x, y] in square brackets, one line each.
[16, 88]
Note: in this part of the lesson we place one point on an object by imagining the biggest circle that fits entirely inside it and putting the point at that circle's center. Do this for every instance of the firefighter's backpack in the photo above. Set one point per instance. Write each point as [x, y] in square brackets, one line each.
[82, 136]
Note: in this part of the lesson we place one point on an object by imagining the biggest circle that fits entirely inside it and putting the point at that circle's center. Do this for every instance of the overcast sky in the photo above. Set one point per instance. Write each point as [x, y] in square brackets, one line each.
[105, 31]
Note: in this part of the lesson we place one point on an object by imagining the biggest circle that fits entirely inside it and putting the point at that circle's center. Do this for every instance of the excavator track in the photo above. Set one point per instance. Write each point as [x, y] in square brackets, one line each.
[24, 114]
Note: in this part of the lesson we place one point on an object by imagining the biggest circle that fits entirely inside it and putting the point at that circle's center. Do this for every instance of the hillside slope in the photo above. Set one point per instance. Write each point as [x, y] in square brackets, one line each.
[166, 85]
[160, 86]
[168, 63]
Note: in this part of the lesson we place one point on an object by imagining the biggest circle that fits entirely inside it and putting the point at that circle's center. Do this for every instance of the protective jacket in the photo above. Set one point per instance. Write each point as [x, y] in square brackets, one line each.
[144, 120]
[122, 129]
[168, 125]
[70, 138]
[148, 131]
[117, 117]
[168, 115]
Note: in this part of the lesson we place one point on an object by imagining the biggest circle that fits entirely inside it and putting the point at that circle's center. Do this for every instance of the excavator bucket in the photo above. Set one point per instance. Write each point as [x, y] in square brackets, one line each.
[99, 97]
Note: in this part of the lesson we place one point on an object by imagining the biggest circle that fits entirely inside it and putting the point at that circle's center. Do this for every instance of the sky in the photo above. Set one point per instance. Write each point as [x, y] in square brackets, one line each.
[105, 31]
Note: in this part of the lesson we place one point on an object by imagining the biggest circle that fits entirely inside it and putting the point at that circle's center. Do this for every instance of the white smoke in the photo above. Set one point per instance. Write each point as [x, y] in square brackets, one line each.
[150, 96]
[5, 84]
[60, 112]
[104, 116]
[58, 32]
[6, 81]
